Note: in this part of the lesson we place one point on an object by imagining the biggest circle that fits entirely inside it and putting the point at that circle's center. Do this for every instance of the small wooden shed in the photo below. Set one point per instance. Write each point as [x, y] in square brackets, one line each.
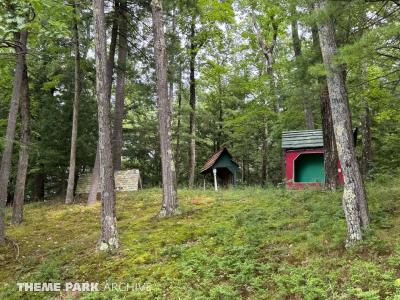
[304, 158]
[222, 166]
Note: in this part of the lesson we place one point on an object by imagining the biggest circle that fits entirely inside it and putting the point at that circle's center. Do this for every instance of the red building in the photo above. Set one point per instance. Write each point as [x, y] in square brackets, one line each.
[304, 158]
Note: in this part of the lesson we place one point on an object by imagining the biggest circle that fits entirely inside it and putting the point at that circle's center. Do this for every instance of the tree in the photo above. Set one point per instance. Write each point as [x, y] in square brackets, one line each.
[268, 52]
[308, 113]
[202, 26]
[366, 124]
[120, 84]
[77, 94]
[20, 40]
[109, 236]
[20, 183]
[170, 203]
[194, 48]
[110, 69]
[330, 152]
[354, 197]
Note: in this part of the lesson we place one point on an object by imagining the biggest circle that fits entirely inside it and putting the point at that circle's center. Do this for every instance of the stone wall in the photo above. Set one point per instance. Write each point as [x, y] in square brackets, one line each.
[125, 181]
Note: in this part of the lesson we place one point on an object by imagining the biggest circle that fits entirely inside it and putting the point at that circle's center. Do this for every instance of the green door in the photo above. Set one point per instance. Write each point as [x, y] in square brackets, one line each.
[309, 168]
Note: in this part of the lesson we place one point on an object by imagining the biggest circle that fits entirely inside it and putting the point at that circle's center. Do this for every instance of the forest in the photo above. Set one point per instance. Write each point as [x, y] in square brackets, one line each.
[200, 149]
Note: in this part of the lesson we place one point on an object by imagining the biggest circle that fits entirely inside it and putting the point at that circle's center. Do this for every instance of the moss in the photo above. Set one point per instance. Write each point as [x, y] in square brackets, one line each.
[242, 243]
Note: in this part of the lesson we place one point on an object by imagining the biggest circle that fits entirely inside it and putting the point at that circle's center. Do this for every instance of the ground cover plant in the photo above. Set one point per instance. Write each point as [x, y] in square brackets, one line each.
[248, 243]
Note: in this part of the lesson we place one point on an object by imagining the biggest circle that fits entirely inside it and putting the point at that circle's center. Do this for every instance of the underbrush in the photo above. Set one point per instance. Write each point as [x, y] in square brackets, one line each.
[241, 243]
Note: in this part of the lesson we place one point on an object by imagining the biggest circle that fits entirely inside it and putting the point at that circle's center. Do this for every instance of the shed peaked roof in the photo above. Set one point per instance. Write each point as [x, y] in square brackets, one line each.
[302, 139]
[213, 159]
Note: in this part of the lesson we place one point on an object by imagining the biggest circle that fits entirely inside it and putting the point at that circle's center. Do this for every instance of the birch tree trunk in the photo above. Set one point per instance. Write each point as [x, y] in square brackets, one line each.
[19, 194]
[120, 85]
[170, 203]
[94, 188]
[354, 198]
[77, 94]
[109, 237]
[5, 168]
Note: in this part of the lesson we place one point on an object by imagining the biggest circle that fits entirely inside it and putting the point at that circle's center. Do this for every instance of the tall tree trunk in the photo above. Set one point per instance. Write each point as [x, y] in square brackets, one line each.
[19, 194]
[178, 129]
[172, 61]
[170, 202]
[5, 168]
[264, 155]
[268, 51]
[39, 185]
[94, 187]
[220, 114]
[308, 113]
[95, 182]
[366, 141]
[330, 155]
[109, 237]
[77, 94]
[120, 85]
[243, 171]
[354, 197]
[192, 102]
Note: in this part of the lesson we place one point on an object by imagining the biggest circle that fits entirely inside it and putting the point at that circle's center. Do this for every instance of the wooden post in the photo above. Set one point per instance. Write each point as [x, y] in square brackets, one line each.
[215, 179]
[204, 182]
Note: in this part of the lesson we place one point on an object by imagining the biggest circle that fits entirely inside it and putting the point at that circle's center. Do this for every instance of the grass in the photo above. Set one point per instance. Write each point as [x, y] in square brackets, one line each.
[247, 243]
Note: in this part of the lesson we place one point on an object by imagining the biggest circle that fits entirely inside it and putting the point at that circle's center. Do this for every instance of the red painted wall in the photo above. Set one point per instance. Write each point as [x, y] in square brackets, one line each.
[290, 157]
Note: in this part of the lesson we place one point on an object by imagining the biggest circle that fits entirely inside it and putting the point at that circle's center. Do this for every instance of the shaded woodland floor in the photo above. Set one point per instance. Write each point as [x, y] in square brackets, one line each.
[243, 243]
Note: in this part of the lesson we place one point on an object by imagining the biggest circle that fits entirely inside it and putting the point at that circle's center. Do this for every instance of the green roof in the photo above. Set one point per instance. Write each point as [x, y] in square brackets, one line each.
[302, 139]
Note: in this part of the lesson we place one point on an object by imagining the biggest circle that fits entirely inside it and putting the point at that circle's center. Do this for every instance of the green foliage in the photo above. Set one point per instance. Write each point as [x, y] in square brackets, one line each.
[243, 243]
[237, 99]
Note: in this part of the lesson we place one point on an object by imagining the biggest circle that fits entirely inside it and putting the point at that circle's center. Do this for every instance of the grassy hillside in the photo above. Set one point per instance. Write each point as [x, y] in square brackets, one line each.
[243, 243]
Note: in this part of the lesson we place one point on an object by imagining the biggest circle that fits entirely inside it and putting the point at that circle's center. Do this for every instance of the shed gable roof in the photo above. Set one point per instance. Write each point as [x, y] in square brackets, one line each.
[302, 139]
[214, 158]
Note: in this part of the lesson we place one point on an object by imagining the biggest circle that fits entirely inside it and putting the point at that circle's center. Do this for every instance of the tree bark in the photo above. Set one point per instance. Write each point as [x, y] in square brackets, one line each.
[172, 61]
[192, 102]
[308, 113]
[178, 129]
[5, 168]
[94, 188]
[330, 153]
[264, 155]
[19, 194]
[220, 114]
[354, 197]
[77, 94]
[170, 202]
[109, 237]
[366, 141]
[39, 184]
[120, 85]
